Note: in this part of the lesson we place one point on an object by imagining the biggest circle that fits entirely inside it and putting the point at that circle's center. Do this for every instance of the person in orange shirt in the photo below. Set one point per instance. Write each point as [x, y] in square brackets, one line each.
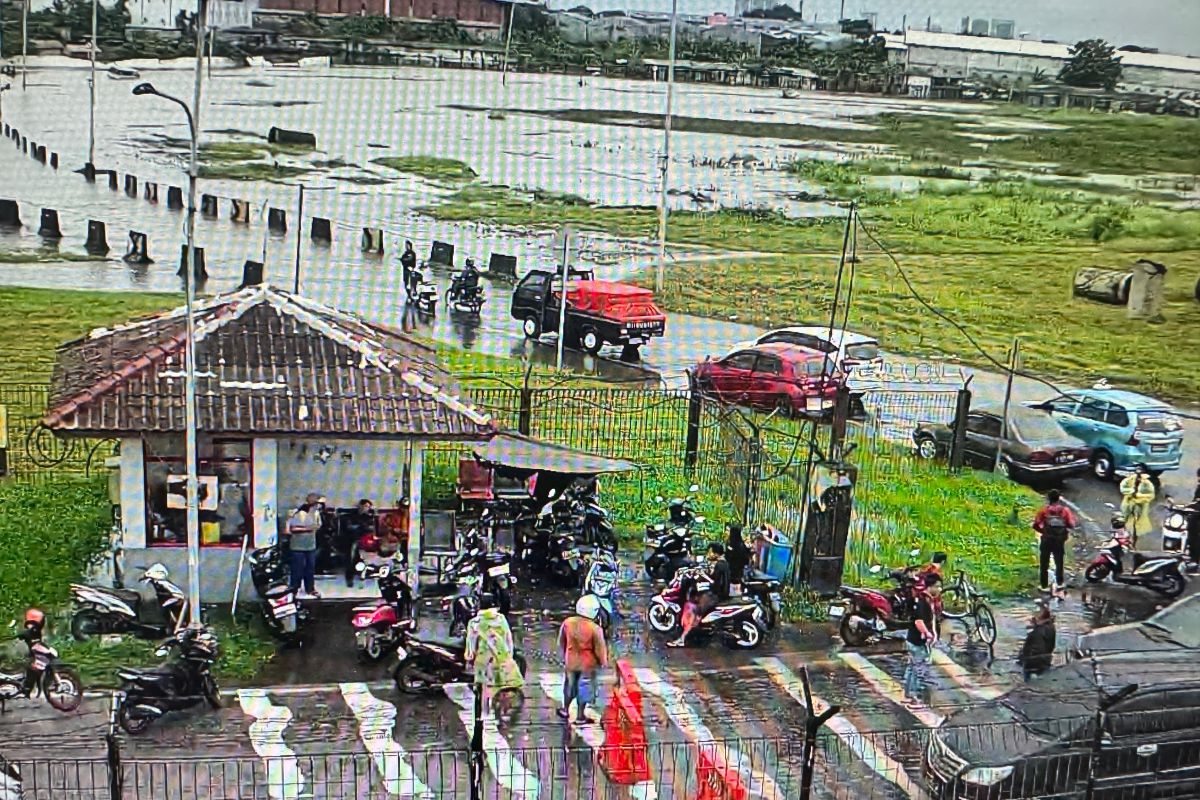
[584, 652]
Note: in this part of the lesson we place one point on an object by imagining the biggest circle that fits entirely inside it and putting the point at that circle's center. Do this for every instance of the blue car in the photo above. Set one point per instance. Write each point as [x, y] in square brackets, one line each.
[1123, 429]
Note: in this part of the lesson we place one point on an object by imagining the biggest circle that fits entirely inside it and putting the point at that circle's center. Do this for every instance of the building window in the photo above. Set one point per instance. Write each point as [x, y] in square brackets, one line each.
[225, 467]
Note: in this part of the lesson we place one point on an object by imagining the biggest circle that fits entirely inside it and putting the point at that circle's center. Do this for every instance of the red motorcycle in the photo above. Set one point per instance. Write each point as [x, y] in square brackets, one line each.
[869, 614]
[379, 627]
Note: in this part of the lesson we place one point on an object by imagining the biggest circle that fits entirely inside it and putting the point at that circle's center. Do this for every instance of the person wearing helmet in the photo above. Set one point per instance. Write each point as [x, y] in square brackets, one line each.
[489, 646]
[581, 644]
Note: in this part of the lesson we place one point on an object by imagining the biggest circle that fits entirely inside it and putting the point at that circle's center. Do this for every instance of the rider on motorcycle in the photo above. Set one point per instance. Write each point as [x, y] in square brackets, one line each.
[468, 279]
[704, 602]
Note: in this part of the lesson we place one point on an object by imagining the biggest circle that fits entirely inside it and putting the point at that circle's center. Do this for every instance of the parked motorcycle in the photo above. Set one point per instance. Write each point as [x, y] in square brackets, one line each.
[494, 569]
[1161, 574]
[267, 568]
[378, 626]
[44, 674]
[601, 582]
[739, 622]
[102, 610]
[422, 293]
[668, 551]
[465, 298]
[285, 616]
[768, 592]
[1175, 524]
[868, 614]
[147, 694]
[427, 665]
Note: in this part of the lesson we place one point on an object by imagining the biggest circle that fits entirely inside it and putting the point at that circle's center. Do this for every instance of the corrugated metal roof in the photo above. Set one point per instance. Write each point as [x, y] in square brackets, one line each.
[267, 362]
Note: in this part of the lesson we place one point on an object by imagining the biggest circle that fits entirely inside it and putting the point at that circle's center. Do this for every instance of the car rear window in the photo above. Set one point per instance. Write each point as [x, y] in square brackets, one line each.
[866, 351]
[1158, 422]
[1034, 427]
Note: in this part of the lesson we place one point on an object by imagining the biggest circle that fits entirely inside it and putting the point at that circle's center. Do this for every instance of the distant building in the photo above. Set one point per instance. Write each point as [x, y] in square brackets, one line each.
[164, 16]
[1003, 28]
[980, 27]
[482, 17]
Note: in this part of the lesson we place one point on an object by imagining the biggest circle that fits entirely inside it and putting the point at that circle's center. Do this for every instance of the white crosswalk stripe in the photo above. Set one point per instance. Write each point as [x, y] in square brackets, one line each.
[376, 721]
[889, 687]
[508, 769]
[965, 680]
[284, 781]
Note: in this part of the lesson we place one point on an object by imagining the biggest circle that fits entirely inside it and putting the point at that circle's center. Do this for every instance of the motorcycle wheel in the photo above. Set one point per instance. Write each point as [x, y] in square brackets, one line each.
[985, 624]
[372, 651]
[1096, 572]
[86, 623]
[63, 689]
[852, 636]
[132, 725]
[1172, 585]
[748, 637]
[407, 679]
[212, 692]
[662, 618]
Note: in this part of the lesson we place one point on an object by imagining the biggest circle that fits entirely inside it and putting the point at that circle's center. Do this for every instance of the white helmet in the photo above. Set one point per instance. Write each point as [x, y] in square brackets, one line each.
[588, 606]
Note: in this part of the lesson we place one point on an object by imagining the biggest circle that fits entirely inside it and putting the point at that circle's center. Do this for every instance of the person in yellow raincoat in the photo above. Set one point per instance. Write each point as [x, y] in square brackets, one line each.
[490, 646]
[1137, 493]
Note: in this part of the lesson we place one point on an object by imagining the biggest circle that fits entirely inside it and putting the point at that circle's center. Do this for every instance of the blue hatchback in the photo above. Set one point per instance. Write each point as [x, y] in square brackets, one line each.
[1123, 429]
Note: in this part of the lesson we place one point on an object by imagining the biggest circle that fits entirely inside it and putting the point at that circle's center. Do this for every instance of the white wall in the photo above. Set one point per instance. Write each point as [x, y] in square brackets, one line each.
[375, 471]
[133, 494]
[265, 491]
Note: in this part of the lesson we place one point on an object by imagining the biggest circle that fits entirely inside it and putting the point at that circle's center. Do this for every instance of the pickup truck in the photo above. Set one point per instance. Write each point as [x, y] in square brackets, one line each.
[598, 312]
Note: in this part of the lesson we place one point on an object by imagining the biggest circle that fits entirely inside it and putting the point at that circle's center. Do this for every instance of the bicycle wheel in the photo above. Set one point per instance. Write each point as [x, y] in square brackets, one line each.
[985, 623]
[955, 603]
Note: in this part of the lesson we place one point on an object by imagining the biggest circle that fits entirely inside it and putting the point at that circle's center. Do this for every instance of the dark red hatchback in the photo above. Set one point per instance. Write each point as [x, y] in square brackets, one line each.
[793, 380]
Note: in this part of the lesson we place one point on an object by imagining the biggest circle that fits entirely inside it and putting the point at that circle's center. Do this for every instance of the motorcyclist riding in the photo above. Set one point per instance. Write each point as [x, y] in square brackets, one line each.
[468, 279]
[694, 611]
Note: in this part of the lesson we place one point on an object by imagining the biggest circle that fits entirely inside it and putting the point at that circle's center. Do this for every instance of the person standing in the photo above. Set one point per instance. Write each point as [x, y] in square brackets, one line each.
[1053, 524]
[1037, 654]
[489, 646]
[1137, 493]
[302, 527]
[584, 651]
[922, 633]
[408, 260]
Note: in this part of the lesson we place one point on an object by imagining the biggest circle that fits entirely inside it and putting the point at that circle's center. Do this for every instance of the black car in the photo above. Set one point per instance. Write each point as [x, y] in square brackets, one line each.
[1040, 740]
[1036, 449]
[1176, 627]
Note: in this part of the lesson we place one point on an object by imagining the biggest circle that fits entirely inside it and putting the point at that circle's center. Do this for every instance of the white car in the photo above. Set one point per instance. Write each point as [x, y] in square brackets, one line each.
[849, 350]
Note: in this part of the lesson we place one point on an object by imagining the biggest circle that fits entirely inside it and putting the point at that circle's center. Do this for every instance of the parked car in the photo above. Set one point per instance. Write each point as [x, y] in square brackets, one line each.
[1038, 739]
[1122, 428]
[793, 380]
[1036, 450]
[849, 350]
[1176, 627]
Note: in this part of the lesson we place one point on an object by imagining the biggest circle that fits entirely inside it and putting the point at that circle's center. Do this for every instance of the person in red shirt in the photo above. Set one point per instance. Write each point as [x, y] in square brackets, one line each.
[1053, 524]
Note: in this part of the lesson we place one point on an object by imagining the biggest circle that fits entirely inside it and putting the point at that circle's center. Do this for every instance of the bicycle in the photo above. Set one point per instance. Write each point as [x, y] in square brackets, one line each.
[962, 602]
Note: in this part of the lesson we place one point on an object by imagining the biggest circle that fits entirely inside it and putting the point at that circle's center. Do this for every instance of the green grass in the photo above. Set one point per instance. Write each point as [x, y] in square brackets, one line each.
[47, 255]
[432, 167]
[250, 161]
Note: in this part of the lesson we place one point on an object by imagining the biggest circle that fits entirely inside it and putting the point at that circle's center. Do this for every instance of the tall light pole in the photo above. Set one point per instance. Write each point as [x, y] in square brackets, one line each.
[189, 347]
[660, 273]
[24, 41]
[92, 87]
[3, 89]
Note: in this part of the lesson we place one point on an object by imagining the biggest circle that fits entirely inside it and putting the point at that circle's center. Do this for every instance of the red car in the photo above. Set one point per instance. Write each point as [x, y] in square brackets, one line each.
[785, 377]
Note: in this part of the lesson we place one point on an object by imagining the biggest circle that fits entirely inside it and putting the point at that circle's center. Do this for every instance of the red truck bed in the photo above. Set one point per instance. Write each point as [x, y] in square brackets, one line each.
[613, 300]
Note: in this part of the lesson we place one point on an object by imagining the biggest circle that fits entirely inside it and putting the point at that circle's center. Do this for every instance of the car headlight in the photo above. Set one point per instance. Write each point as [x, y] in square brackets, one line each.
[1176, 521]
[986, 776]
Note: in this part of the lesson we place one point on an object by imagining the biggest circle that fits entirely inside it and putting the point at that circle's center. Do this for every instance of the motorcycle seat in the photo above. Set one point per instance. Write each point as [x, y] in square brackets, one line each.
[1140, 558]
[453, 645]
[163, 676]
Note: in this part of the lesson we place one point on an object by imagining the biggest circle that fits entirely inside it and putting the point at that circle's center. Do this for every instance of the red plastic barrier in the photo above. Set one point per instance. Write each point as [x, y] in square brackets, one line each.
[717, 783]
[624, 756]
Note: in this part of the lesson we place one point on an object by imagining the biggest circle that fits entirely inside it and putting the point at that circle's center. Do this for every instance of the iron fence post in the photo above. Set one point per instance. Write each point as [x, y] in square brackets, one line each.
[695, 407]
[116, 777]
[476, 756]
[525, 413]
[962, 407]
[841, 414]
[812, 724]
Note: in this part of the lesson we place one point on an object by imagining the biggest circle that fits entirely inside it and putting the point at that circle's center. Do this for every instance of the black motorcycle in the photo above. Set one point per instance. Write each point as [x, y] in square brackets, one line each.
[427, 665]
[267, 568]
[284, 615]
[101, 610]
[462, 296]
[667, 552]
[768, 592]
[494, 570]
[147, 694]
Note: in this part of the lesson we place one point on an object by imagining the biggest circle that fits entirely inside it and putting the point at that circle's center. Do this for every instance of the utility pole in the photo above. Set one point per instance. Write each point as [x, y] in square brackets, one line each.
[566, 245]
[660, 273]
[299, 238]
[512, 15]
[24, 41]
[1014, 356]
[92, 87]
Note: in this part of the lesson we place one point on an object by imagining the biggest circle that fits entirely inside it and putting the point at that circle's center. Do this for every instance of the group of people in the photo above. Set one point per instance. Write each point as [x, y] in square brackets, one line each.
[468, 279]
[362, 534]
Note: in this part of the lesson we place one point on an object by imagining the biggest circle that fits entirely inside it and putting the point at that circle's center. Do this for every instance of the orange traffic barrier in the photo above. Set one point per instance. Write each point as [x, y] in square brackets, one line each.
[624, 756]
[717, 782]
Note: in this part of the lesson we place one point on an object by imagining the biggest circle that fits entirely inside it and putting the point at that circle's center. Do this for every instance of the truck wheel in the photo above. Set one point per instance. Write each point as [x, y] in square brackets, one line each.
[531, 328]
[591, 341]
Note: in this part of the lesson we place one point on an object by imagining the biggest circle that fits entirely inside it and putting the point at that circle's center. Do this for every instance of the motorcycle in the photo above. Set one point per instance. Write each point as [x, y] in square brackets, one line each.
[1159, 574]
[493, 570]
[739, 622]
[427, 665]
[768, 592]
[57, 682]
[378, 626]
[147, 694]
[104, 611]
[285, 616]
[465, 298]
[421, 292]
[10, 780]
[1175, 525]
[601, 582]
[868, 614]
[267, 568]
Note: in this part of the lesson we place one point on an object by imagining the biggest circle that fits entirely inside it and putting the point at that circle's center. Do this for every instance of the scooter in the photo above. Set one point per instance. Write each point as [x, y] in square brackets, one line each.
[768, 592]
[57, 682]
[147, 694]
[421, 292]
[103, 611]
[494, 570]
[427, 665]
[867, 615]
[601, 582]
[284, 615]
[469, 299]
[267, 568]
[739, 622]
[681, 511]
[1159, 574]
[667, 551]
[1175, 525]
[378, 626]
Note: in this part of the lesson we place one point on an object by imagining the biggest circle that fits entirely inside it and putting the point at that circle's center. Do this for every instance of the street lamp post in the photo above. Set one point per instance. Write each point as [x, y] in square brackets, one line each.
[660, 273]
[3, 89]
[92, 88]
[189, 349]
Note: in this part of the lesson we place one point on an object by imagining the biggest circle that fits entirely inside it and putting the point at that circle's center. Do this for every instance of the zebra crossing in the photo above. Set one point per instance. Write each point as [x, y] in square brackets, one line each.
[419, 754]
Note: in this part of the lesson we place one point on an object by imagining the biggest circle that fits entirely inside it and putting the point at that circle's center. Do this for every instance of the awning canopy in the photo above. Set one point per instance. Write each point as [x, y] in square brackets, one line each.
[524, 453]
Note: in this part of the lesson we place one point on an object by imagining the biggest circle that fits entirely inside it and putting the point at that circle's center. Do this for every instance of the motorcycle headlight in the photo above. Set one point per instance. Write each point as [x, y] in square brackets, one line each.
[986, 776]
[1176, 521]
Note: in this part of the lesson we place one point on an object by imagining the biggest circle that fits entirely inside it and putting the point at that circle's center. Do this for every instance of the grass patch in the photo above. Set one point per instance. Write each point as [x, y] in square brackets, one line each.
[44, 256]
[431, 167]
[250, 161]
